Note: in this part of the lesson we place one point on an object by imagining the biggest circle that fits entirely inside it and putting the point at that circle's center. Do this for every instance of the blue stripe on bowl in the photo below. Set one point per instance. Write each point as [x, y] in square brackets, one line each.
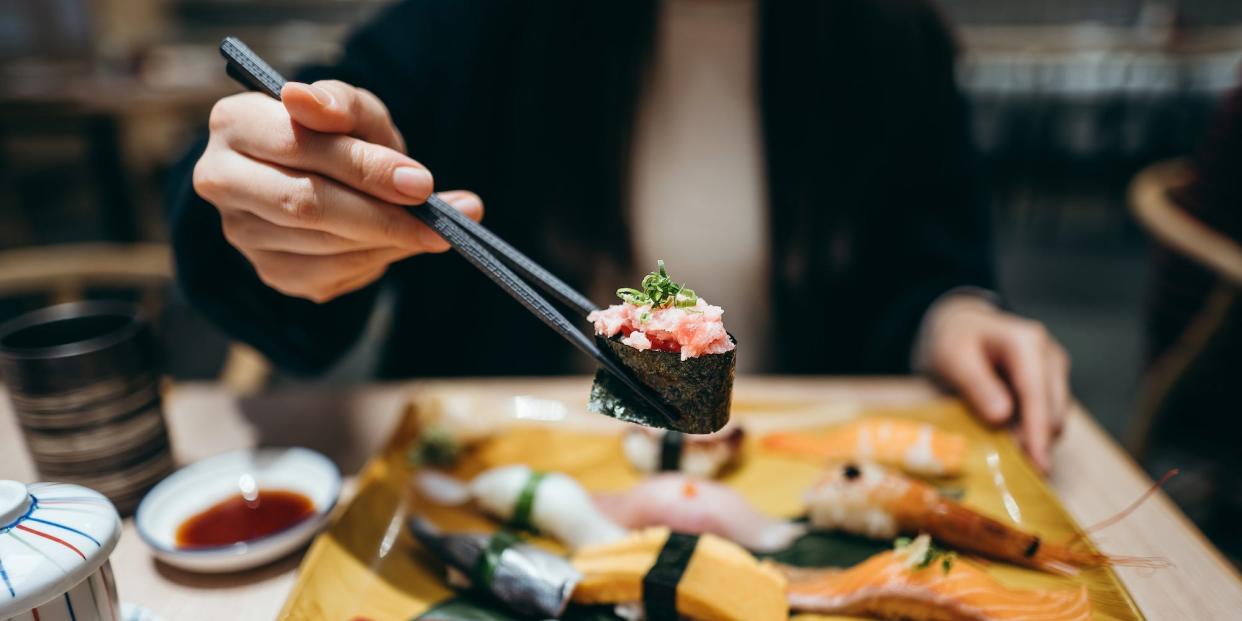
[68, 528]
[5, 576]
[34, 504]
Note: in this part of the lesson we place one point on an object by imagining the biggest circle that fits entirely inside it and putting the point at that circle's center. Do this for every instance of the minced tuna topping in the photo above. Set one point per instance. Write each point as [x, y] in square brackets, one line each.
[665, 316]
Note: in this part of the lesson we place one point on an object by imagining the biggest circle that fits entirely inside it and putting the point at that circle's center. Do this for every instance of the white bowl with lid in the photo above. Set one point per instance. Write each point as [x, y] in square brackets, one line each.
[55, 539]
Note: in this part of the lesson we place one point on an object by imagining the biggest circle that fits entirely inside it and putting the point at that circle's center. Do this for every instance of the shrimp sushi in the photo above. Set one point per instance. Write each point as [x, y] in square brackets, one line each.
[676, 344]
[910, 584]
[872, 501]
[660, 450]
[690, 505]
[916, 447]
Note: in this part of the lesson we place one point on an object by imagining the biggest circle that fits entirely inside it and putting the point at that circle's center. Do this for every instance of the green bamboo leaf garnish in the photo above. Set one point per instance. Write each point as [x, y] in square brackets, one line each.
[436, 446]
[660, 291]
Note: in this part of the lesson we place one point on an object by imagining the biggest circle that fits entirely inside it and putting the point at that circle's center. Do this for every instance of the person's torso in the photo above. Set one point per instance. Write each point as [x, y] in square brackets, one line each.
[545, 122]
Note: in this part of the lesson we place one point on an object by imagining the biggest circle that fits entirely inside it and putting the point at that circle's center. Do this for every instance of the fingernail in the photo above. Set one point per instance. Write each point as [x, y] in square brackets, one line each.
[414, 182]
[322, 97]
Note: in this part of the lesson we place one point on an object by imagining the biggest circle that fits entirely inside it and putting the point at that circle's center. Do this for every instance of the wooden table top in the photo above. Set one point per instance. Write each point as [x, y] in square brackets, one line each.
[1092, 475]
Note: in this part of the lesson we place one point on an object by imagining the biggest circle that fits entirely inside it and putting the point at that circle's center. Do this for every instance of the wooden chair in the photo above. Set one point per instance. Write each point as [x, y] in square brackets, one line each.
[1173, 227]
[1196, 348]
[65, 272]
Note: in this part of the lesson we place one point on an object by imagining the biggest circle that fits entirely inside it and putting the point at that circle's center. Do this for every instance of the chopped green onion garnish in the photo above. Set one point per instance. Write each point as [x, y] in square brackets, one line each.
[659, 291]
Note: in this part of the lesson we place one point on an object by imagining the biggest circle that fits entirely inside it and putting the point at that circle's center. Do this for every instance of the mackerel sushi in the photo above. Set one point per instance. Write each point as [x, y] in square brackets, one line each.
[674, 342]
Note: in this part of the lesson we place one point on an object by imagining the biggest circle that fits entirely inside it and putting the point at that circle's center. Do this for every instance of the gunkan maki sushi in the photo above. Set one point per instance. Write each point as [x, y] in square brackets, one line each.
[674, 342]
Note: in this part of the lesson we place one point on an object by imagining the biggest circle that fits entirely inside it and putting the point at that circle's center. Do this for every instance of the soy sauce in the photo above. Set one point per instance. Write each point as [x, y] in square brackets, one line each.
[238, 519]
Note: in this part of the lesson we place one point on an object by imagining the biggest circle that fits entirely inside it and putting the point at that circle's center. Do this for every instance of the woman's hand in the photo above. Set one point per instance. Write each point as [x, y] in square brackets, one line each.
[1005, 366]
[309, 188]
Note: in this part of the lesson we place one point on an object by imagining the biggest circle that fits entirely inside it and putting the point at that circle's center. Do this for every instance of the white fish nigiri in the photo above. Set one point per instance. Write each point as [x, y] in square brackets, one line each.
[690, 505]
[558, 506]
[699, 455]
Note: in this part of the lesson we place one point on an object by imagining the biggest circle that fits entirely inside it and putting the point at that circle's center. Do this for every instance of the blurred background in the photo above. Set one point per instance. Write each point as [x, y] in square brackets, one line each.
[1071, 99]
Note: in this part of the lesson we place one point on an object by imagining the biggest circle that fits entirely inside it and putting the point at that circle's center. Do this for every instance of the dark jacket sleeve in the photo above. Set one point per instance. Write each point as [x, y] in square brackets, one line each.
[296, 334]
[875, 205]
[940, 238]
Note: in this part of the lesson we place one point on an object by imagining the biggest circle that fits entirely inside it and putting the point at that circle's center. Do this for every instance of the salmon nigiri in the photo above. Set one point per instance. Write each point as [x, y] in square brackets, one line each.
[916, 447]
[911, 583]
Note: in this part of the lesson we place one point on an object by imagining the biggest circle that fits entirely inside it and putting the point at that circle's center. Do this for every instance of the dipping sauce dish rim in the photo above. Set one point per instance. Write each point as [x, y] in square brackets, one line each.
[241, 547]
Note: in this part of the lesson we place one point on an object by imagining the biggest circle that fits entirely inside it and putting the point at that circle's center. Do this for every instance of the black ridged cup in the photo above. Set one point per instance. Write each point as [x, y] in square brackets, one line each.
[84, 381]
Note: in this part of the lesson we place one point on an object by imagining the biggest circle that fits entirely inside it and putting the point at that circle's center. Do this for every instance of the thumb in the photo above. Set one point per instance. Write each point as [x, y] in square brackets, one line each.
[334, 107]
[968, 371]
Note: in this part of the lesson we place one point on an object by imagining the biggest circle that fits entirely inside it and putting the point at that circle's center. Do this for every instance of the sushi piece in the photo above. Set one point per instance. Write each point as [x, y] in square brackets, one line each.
[552, 503]
[916, 447]
[689, 505]
[872, 501]
[658, 450]
[526, 579]
[915, 583]
[704, 578]
[675, 343]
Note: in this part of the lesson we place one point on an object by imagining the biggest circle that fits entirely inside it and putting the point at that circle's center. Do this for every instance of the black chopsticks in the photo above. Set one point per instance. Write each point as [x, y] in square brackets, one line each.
[483, 249]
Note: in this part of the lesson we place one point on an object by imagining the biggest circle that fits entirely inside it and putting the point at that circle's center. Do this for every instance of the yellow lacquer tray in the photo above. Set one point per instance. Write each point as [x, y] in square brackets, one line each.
[366, 566]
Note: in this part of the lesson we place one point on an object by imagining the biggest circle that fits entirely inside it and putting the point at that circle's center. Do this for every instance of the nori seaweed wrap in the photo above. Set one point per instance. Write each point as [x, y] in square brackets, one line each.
[699, 389]
[673, 342]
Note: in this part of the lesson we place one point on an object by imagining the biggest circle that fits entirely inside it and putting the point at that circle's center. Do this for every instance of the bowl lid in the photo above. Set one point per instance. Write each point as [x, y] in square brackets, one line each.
[52, 536]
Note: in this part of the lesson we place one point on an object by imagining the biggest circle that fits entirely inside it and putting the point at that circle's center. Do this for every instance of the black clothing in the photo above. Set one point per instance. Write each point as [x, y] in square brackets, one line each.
[531, 105]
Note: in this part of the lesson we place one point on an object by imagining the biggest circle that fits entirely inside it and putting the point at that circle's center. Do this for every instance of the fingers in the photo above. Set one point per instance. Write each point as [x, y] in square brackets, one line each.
[261, 129]
[995, 359]
[289, 198]
[309, 188]
[1023, 356]
[243, 229]
[322, 278]
[377, 170]
[969, 371]
[466, 202]
[1057, 362]
[334, 107]
[370, 168]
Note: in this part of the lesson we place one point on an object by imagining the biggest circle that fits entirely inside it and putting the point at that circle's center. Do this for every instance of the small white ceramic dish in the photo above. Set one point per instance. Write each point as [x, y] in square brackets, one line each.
[195, 488]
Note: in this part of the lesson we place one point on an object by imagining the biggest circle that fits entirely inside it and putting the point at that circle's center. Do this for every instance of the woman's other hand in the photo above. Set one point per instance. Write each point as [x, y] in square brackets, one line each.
[1009, 369]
